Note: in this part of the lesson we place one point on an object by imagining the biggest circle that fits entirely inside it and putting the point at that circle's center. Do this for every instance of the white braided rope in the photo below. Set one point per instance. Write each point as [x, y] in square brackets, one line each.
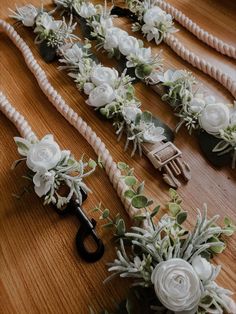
[212, 41]
[201, 64]
[71, 116]
[16, 118]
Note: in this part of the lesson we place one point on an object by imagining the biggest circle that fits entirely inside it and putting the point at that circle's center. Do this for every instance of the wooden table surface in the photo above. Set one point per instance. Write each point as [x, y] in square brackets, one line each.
[40, 269]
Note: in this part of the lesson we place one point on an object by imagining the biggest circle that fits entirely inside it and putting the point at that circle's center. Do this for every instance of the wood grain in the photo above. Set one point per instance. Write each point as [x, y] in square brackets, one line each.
[40, 269]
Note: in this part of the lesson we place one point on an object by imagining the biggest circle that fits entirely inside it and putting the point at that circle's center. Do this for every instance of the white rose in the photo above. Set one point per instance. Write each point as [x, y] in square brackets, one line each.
[47, 22]
[196, 105]
[43, 182]
[43, 155]
[202, 267]
[87, 10]
[130, 113]
[231, 305]
[143, 54]
[73, 54]
[27, 15]
[177, 286]
[113, 37]
[88, 87]
[154, 16]
[101, 95]
[214, 117]
[101, 75]
[106, 22]
[154, 134]
[128, 45]
[233, 118]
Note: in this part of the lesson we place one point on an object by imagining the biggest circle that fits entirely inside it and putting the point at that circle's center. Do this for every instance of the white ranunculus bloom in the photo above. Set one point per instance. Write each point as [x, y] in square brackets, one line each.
[106, 22]
[128, 45]
[177, 285]
[27, 15]
[154, 135]
[43, 155]
[214, 117]
[202, 267]
[101, 96]
[130, 113]
[73, 54]
[154, 16]
[143, 54]
[87, 10]
[88, 87]
[197, 104]
[113, 37]
[43, 182]
[101, 74]
[47, 22]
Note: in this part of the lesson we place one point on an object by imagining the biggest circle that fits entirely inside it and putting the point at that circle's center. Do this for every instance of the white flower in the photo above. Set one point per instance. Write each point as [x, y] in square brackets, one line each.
[106, 22]
[231, 305]
[130, 113]
[73, 54]
[202, 267]
[101, 95]
[87, 10]
[128, 45]
[43, 182]
[47, 22]
[143, 54]
[171, 76]
[88, 87]
[177, 286]
[26, 15]
[214, 117]
[197, 104]
[113, 37]
[154, 134]
[154, 16]
[100, 75]
[43, 155]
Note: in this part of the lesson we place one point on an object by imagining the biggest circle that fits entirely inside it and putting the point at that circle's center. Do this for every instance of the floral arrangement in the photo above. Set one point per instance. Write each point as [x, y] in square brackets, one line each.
[152, 20]
[169, 265]
[53, 170]
[113, 95]
[196, 111]
[114, 40]
[51, 33]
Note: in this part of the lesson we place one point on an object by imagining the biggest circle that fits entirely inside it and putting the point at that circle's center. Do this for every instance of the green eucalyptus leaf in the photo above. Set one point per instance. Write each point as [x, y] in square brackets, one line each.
[216, 249]
[155, 211]
[207, 300]
[130, 180]
[105, 213]
[181, 217]
[139, 201]
[129, 193]
[141, 187]
[139, 218]
[120, 227]
[228, 231]
[173, 194]
[149, 203]
[146, 116]
[174, 209]
[122, 165]
[108, 225]
[227, 221]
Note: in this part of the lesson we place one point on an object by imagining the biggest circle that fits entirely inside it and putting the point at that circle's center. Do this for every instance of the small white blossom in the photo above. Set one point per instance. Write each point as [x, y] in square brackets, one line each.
[113, 36]
[87, 10]
[88, 87]
[26, 15]
[101, 95]
[101, 74]
[214, 117]
[154, 134]
[43, 155]
[128, 45]
[43, 182]
[202, 267]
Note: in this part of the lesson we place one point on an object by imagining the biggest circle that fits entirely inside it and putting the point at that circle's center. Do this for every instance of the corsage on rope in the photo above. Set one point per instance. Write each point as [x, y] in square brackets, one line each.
[114, 95]
[175, 87]
[51, 169]
[170, 265]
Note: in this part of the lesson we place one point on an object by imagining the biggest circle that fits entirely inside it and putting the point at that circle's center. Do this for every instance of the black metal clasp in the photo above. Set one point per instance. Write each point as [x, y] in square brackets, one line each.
[86, 230]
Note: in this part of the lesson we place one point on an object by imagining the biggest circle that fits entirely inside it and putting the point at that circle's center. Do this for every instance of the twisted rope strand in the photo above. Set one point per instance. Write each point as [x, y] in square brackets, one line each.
[71, 116]
[200, 63]
[17, 119]
[212, 41]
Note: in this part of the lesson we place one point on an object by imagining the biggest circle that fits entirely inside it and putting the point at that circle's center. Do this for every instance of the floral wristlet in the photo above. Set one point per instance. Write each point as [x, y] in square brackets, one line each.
[195, 110]
[114, 96]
